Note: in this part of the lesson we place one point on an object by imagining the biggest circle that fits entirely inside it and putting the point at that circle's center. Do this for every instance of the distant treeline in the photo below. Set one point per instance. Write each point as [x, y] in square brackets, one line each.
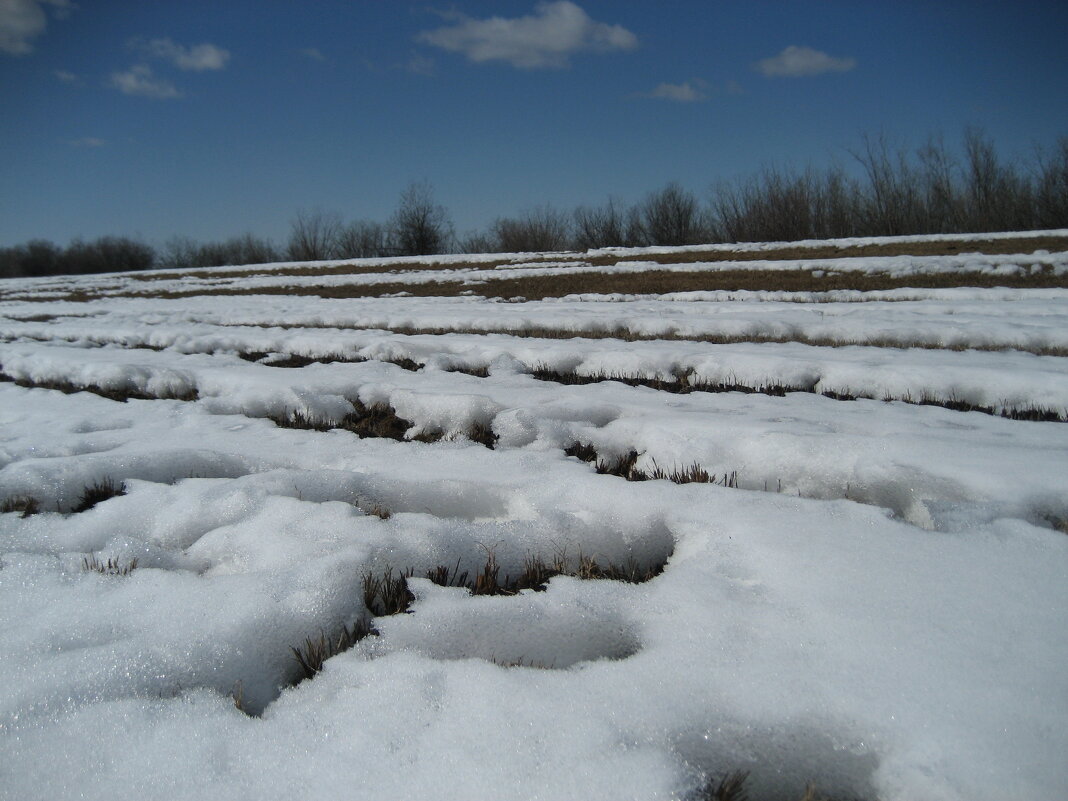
[929, 190]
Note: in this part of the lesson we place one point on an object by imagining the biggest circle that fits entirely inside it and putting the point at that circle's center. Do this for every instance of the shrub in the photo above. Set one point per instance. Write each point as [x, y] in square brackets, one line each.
[536, 231]
[419, 226]
[314, 236]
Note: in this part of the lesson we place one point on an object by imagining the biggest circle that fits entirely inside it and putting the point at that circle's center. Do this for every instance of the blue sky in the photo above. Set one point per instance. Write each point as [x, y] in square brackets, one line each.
[213, 118]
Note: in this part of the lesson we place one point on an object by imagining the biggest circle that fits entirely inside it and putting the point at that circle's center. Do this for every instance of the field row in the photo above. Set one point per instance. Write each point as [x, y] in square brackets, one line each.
[926, 458]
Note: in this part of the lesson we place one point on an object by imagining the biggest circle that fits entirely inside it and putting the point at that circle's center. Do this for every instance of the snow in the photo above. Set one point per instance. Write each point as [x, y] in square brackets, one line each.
[878, 605]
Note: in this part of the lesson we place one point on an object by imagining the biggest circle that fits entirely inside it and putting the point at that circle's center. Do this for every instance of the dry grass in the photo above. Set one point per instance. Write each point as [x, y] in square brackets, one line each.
[119, 394]
[624, 466]
[25, 505]
[627, 335]
[655, 282]
[652, 281]
[378, 510]
[375, 420]
[732, 787]
[684, 383]
[1000, 246]
[482, 433]
[112, 567]
[312, 653]
[387, 593]
[584, 278]
[990, 247]
[379, 420]
[313, 269]
[98, 492]
[726, 788]
[478, 370]
[293, 360]
[296, 360]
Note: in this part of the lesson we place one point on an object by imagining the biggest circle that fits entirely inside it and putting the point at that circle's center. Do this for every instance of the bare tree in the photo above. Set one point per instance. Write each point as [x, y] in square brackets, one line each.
[41, 257]
[1051, 189]
[362, 239]
[107, 254]
[313, 236]
[893, 186]
[478, 242]
[602, 227]
[181, 251]
[835, 210]
[420, 227]
[997, 198]
[671, 216]
[783, 206]
[942, 210]
[536, 231]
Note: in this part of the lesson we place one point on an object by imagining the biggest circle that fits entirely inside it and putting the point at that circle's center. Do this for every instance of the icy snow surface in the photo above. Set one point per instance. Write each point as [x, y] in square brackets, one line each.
[875, 602]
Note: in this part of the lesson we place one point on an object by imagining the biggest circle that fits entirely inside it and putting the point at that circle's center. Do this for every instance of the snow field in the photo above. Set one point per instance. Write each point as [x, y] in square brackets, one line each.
[878, 605]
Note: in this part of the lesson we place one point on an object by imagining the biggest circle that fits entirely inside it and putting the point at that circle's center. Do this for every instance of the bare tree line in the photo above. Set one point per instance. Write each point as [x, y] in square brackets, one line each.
[894, 191]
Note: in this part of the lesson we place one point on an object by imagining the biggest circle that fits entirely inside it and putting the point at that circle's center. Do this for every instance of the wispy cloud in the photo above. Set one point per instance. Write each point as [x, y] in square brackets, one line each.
[685, 92]
[314, 53]
[141, 81]
[22, 21]
[66, 77]
[419, 64]
[196, 58]
[88, 141]
[547, 38]
[798, 62]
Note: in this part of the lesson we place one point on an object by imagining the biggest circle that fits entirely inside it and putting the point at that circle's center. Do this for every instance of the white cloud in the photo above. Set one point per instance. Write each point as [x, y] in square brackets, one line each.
[64, 76]
[89, 141]
[796, 62]
[24, 20]
[197, 58]
[547, 38]
[679, 92]
[140, 80]
[314, 53]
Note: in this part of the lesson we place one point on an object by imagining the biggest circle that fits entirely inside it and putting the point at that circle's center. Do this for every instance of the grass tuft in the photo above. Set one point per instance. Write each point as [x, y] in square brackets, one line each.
[582, 451]
[98, 492]
[313, 653]
[694, 474]
[119, 394]
[376, 420]
[482, 433]
[727, 788]
[387, 594]
[112, 567]
[732, 787]
[624, 467]
[24, 504]
[378, 511]
[478, 371]
[238, 694]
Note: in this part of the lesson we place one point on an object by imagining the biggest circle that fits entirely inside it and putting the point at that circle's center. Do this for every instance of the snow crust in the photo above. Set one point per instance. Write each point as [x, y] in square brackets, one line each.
[877, 606]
